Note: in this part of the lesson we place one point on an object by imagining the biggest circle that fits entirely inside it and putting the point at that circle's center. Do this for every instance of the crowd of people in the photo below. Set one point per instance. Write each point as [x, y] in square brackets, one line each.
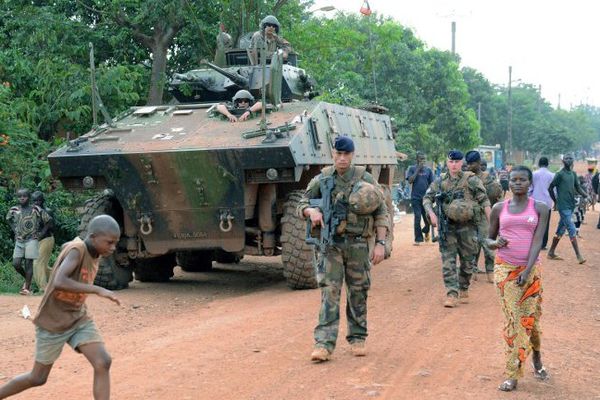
[516, 228]
[471, 215]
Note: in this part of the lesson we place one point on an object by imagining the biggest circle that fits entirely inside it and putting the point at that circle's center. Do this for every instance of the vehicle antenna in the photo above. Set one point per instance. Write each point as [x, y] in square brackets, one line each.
[96, 100]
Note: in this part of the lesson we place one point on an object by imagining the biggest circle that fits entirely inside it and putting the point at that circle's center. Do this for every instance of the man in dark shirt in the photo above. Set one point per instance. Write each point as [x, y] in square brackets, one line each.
[420, 177]
[567, 184]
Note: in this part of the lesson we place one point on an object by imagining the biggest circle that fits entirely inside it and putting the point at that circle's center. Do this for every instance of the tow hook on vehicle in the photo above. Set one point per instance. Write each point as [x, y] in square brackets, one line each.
[145, 224]
[225, 219]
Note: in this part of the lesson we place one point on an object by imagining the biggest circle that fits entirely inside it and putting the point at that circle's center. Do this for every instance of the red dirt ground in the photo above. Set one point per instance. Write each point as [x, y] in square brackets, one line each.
[240, 333]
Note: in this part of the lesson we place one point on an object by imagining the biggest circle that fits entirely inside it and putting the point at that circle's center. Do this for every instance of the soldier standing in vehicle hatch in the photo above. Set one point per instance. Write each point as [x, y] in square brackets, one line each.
[269, 35]
[347, 256]
[463, 197]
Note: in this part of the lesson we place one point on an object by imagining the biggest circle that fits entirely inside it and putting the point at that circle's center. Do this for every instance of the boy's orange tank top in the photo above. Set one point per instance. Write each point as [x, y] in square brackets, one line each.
[61, 310]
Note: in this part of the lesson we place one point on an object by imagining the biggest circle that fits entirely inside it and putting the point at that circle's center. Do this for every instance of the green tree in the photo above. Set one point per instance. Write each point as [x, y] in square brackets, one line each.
[357, 60]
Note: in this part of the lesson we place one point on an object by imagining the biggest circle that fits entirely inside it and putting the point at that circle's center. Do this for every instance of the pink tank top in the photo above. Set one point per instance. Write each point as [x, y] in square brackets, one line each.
[518, 229]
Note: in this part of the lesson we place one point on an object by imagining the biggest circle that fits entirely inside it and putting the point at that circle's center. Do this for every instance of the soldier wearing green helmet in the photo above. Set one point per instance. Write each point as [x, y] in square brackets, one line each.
[241, 108]
[268, 36]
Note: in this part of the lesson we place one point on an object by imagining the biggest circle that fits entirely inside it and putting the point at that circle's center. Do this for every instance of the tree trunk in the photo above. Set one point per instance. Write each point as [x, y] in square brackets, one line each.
[157, 77]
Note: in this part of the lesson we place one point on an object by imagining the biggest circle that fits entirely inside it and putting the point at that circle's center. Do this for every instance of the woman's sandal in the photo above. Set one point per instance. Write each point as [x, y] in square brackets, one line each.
[508, 385]
[540, 374]
[25, 292]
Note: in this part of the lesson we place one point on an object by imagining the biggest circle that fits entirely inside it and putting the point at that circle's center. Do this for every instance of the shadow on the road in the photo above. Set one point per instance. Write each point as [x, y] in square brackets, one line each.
[247, 276]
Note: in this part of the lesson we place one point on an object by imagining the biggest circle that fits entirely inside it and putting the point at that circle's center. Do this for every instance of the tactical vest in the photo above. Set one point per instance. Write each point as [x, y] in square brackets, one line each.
[356, 225]
[459, 205]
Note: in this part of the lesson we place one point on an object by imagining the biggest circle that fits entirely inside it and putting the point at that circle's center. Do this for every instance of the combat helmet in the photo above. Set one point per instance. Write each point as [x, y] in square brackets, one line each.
[270, 19]
[243, 94]
[364, 198]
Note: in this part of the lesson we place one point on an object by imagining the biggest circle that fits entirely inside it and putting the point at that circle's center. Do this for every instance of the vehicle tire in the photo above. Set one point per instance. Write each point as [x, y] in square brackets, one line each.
[299, 258]
[389, 239]
[224, 257]
[156, 269]
[195, 261]
[111, 275]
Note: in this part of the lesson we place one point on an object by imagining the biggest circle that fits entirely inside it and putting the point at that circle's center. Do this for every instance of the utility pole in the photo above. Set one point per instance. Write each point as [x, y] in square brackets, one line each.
[453, 37]
[509, 127]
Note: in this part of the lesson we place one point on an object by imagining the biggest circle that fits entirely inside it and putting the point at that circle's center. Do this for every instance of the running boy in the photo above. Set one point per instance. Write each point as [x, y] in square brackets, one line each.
[62, 316]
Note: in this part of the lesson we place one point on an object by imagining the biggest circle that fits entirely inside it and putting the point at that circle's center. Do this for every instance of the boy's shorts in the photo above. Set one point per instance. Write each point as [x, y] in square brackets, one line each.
[29, 249]
[48, 345]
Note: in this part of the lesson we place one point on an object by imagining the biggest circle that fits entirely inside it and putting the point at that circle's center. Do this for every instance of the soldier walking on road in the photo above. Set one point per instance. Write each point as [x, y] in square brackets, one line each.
[358, 198]
[494, 193]
[463, 197]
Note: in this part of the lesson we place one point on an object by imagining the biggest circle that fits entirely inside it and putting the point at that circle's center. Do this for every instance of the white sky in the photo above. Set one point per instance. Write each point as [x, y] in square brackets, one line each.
[551, 43]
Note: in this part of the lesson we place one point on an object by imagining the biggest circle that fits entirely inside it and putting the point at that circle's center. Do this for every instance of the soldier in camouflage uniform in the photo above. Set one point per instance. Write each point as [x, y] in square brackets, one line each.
[348, 255]
[267, 35]
[493, 191]
[464, 197]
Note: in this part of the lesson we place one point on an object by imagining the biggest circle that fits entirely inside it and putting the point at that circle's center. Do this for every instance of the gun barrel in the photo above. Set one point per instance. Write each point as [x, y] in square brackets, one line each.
[235, 77]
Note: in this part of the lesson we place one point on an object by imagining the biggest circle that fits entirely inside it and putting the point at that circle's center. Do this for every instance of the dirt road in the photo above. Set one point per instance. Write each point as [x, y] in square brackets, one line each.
[239, 333]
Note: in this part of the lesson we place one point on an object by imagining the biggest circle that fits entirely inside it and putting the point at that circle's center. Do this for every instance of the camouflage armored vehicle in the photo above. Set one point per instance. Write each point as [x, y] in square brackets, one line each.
[189, 188]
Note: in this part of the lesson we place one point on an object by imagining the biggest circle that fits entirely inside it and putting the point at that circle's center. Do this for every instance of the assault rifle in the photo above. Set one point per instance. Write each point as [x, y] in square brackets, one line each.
[333, 216]
[442, 225]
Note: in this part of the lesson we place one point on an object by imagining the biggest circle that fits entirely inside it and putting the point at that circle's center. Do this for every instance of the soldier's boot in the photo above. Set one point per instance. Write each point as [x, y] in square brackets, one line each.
[451, 301]
[490, 277]
[320, 354]
[474, 277]
[463, 296]
[358, 349]
[575, 245]
[551, 254]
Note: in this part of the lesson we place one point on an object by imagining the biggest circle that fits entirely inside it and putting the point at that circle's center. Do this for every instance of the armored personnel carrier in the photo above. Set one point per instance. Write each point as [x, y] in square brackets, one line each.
[190, 189]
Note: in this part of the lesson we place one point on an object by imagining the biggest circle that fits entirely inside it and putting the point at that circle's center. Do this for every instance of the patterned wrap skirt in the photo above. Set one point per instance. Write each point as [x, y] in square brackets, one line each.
[522, 307]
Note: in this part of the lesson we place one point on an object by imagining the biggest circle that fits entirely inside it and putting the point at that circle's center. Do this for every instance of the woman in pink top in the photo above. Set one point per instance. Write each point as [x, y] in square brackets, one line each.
[516, 229]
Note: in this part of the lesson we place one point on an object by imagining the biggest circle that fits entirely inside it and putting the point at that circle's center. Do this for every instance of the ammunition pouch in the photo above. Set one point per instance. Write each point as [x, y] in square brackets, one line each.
[360, 225]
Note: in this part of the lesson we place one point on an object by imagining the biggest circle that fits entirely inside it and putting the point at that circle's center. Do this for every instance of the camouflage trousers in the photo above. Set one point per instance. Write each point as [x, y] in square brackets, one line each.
[522, 307]
[488, 255]
[461, 241]
[346, 260]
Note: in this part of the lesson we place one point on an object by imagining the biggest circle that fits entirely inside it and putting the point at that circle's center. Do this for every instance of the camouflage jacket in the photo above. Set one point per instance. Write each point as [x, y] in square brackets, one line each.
[357, 224]
[256, 44]
[474, 190]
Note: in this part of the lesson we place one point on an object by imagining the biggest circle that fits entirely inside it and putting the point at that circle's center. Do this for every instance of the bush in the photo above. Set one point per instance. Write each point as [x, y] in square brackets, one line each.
[10, 280]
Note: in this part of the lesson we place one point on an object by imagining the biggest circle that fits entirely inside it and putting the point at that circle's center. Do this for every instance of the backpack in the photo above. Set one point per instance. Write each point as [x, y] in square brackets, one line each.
[461, 208]
[492, 187]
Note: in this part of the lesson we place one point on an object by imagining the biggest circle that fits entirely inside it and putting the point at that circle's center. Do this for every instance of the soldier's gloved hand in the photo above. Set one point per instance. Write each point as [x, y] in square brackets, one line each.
[316, 217]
